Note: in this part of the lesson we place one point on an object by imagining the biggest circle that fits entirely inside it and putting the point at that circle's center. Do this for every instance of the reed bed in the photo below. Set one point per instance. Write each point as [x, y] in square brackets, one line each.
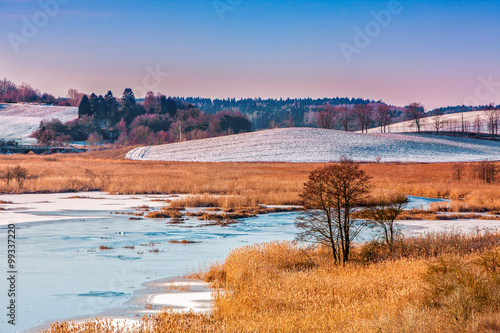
[241, 184]
[442, 282]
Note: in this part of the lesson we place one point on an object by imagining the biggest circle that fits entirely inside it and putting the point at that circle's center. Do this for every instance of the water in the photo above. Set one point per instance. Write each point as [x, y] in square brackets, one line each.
[63, 272]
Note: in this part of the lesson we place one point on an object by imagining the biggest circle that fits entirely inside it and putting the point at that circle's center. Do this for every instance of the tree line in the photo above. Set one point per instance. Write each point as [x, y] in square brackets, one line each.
[365, 116]
[342, 113]
[125, 121]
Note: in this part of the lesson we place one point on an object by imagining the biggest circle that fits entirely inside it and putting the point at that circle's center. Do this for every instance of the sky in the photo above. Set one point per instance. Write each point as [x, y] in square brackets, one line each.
[438, 53]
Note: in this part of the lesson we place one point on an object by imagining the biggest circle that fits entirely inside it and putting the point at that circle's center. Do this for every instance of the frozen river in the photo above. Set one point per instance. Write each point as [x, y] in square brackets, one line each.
[62, 272]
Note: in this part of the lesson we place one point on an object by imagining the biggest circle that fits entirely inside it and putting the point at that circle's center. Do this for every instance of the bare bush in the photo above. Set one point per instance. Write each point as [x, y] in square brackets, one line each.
[7, 176]
[20, 174]
[383, 216]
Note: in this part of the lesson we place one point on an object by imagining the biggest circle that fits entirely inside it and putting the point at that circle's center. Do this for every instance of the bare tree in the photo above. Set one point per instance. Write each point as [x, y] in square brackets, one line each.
[74, 97]
[493, 120]
[477, 124]
[462, 120]
[27, 93]
[415, 113]
[8, 90]
[344, 117]
[458, 169]
[364, 115]
[330, 196]
[326, 116]
[486, 171]
[383, 116]
[438, 122]
[383, 216]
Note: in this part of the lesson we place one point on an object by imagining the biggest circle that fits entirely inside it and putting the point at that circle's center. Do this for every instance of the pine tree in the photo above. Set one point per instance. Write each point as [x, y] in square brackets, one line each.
[111, 105]
[84, 109]
[128, 98]
[171, 107]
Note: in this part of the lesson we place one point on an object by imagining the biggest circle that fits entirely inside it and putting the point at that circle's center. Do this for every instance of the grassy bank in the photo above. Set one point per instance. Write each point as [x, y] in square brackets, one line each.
[434, 283]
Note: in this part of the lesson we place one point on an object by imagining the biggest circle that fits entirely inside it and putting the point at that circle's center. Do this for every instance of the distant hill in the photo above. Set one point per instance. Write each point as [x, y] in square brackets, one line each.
[20, 120]
[320, 145]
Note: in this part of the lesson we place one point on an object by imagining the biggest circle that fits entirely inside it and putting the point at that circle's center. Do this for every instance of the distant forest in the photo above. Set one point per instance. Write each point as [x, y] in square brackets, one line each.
[158, 119]
[271, 113]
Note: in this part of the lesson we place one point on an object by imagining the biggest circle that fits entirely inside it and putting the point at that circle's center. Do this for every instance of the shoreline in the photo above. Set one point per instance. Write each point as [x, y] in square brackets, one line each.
[135, 306]
[159, 294]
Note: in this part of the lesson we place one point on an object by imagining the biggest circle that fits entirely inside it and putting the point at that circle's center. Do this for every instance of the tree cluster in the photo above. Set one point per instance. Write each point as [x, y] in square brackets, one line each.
[25, 93]
[127, 121]
[17, 173]
[353, 117]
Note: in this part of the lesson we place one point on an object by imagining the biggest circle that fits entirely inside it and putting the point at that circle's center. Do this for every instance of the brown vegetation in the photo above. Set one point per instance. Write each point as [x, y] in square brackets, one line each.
[184, 241]
[164, 214]
[434, 283]
[253, 183]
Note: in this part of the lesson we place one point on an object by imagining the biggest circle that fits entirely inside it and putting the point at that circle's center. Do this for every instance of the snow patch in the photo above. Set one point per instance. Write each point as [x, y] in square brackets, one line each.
[21, 120]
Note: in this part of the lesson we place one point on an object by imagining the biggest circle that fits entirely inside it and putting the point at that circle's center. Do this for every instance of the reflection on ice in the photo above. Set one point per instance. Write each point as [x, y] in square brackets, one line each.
[104, 294]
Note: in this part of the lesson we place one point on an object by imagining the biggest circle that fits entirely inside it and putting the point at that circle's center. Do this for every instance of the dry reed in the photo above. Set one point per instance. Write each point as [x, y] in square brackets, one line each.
[283, 287]
[240, 184]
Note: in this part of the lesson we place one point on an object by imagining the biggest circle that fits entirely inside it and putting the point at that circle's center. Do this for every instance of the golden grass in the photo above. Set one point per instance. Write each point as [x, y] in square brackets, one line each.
[240, 184]
[219, 201]
[417, 214]
[282, 287]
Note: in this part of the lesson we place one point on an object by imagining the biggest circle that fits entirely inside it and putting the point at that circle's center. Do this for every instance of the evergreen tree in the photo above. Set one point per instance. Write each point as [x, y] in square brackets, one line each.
[111, 105]
[171, 107]
[94, 103]
[84, 109]
[128, 98]
[101, 112]
[163, 105]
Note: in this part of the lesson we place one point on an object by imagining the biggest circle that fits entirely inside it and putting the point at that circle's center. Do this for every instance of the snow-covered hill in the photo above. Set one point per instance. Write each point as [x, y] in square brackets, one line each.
[320, 145]
[20, 120]
[448, 122]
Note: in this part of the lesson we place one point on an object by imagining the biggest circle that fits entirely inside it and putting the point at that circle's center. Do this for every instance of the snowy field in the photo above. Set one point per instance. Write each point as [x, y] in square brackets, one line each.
[20, 120]
[449, 122]
[320, 145]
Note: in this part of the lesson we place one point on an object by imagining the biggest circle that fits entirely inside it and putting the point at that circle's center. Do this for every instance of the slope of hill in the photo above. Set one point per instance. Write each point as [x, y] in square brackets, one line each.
[20, 120]
[448, 122]
[320, 145]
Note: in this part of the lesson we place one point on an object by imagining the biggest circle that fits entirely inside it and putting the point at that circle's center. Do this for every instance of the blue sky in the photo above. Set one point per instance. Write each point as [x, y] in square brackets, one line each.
[435, 52]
